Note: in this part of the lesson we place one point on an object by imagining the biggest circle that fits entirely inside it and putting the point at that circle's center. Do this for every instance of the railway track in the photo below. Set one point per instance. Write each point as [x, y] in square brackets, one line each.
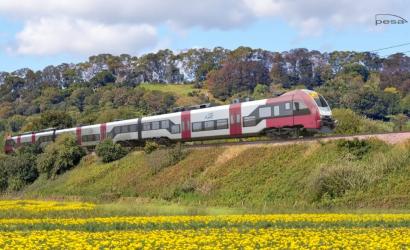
[391, 138]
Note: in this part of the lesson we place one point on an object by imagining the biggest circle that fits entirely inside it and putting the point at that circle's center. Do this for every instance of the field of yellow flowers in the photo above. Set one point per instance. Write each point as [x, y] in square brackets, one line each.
[30, 224]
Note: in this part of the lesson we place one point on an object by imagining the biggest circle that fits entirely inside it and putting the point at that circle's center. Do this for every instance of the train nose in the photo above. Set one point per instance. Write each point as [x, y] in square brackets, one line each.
[327, 123]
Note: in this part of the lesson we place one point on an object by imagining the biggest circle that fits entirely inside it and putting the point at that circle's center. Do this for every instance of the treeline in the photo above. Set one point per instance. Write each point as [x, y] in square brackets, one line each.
[108, 87]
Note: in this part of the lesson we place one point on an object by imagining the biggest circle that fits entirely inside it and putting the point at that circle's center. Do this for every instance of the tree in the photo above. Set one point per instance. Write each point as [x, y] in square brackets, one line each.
[356, 68]
[377, 104]
[261, 91]
[110, 151]
[18, 170]
[78, 97]
[60, 156]
[235, 77]
[278, 72]
[102, 78]
[53, 119]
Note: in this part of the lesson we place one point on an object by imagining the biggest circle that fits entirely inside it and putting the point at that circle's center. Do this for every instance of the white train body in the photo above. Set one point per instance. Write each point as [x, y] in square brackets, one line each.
[296, 109]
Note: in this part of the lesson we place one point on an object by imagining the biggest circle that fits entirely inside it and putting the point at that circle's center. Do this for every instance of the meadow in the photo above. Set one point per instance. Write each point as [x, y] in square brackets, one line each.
[33, 224]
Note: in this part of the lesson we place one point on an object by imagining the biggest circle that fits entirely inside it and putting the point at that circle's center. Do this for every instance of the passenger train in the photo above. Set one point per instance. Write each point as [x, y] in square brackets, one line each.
[296, 111]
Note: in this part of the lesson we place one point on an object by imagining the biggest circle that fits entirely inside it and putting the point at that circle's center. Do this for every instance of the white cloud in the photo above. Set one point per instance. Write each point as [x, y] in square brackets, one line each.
[92, 26]
[312, 17]
[50, 36]
[203, 13]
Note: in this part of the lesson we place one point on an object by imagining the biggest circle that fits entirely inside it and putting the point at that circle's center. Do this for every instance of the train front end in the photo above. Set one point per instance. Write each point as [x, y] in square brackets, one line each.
[326, 122]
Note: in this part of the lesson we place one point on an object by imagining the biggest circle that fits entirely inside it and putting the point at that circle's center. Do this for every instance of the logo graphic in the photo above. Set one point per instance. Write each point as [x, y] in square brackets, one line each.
[389, 19]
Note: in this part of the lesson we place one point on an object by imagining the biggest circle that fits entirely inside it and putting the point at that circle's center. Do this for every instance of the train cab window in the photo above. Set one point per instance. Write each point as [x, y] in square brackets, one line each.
[287, 106]
[209, 125]
[155, 125]
[275, 110]
[222, 124]
[249, 121]
[146, 126]
[196, 126]
[165, 124]
[265, 112]
[175, 129]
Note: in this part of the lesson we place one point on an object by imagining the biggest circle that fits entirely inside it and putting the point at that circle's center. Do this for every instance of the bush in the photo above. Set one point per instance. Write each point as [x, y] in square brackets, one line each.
[357, 148]
[150, 146]
[351, 123]
[19, 169]
[109, 151]
[334, 181]
[60, 156]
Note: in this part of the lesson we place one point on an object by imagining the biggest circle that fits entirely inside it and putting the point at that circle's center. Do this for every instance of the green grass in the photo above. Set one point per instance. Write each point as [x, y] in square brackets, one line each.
[177, 89]
[300, 177]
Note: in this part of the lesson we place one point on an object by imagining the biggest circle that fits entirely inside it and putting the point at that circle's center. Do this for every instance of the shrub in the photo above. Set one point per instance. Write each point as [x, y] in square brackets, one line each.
[357, 148]
[60, 156]
[150, 146]
[334, 181]
[110, 151]
[351, 123]
[19, 169]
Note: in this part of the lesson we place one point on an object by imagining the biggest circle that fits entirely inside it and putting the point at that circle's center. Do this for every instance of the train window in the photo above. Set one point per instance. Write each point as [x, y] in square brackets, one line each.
[300, 108]
[249, 121]
[146, 126]
[133, 128]
[125, 129]
[238, 118]
[209, 125]
[287, 106]
[155, 125]
[232, 119]
[265, 112]
[275, 110]
[165, 124]
[117, 130]
[222, 124]
[175, 129]
[196, 126]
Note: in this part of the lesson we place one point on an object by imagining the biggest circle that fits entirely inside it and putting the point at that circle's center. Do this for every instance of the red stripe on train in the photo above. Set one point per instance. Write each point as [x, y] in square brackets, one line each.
[33, 138]
[103, 131]
[78, 133]
[186, 125]
[235, 118]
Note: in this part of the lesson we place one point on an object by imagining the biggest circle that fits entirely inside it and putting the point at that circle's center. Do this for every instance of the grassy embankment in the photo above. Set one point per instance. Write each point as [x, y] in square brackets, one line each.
[368, 175]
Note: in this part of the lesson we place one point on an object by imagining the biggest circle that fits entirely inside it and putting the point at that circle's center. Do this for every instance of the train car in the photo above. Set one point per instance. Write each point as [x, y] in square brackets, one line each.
[298, 111]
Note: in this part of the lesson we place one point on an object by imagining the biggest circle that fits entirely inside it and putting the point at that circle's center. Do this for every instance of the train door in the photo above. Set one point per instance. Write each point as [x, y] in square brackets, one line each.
[186, 125]
[235, 125]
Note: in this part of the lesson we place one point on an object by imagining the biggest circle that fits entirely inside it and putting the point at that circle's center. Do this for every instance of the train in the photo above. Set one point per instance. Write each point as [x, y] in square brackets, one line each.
[292, 113]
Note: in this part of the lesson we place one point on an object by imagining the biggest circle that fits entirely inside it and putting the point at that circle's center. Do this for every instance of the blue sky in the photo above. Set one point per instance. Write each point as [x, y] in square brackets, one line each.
[37, 33]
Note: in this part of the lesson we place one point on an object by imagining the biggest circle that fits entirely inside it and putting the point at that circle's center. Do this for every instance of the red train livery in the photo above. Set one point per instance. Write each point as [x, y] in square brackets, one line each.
[298, 111]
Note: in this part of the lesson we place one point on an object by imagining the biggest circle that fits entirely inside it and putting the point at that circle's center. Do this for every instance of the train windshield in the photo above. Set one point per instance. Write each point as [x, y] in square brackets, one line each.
[320, 101]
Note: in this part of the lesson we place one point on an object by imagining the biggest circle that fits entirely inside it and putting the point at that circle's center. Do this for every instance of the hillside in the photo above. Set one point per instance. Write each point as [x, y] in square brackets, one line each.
[109, 87]
[361, 174]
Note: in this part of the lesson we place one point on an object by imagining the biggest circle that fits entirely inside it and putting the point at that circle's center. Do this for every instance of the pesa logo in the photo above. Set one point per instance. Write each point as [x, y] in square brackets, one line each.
[389, 19]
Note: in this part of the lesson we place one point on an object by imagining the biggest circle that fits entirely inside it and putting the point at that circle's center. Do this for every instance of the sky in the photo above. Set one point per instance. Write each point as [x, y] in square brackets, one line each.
[38, 33]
